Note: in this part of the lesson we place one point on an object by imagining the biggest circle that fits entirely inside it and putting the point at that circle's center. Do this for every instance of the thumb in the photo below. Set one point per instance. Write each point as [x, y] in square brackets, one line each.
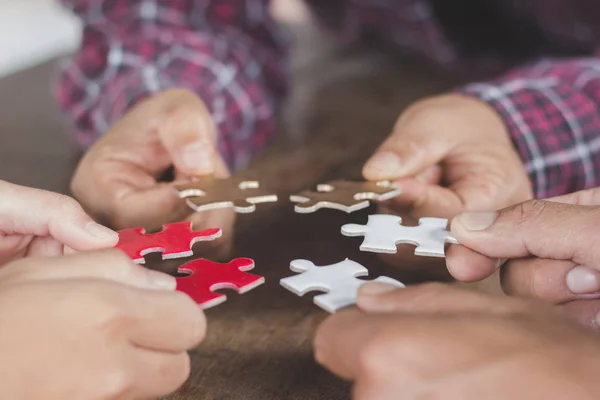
[28, 211]
[411, 149]
[188, 135]
[534, 228]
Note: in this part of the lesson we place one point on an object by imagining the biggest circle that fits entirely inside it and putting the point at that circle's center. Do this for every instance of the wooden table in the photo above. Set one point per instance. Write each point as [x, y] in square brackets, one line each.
[259, 344]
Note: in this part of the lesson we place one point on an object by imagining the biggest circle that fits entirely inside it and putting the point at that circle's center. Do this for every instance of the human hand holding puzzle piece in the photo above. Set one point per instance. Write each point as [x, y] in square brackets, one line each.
[382, 234]
[203, 276]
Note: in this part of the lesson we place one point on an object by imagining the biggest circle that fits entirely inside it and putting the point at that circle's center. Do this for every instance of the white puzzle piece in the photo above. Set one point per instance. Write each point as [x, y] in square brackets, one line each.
[338, 280]
[383, 232]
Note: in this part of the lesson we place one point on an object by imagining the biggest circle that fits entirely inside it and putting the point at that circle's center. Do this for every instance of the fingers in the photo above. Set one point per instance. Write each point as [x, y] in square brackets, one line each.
[45, 246]
[126, 195]
[188, 135]
[390, 346]
[430, 200]
[409, 151]
[589, 197]
[554, 281]
[428, 298]
[221, 170]
[157, 374]
[428, 131]
[444, 165]
[339, 353]
[161, 202]
[163, 319]
[117, 178]
[533, 228]
[581, 280]
[467, 191]
[37, 212]
[584, 312]
[166, 321]
[466, 265]
[111, 265]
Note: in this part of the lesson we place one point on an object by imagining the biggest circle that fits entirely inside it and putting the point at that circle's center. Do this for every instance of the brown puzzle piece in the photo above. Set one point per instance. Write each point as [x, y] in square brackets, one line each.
[209, 193]
[346, 196]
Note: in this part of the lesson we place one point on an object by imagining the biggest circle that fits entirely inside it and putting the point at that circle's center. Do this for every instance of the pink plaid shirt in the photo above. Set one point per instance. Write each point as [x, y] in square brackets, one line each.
[536, 61]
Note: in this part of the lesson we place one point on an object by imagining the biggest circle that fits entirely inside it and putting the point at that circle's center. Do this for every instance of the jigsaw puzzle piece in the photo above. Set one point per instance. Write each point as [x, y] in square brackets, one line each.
[345, 196]
[380, 233]
[174, 241]
[384, 232]
[338, 280]
[435, 236]
[209, 194]
[305, 282]
[205, 276]
[242, 206]
[333, 301]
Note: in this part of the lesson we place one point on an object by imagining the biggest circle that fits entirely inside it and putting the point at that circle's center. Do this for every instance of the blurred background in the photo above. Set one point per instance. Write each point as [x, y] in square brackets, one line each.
[34, 31]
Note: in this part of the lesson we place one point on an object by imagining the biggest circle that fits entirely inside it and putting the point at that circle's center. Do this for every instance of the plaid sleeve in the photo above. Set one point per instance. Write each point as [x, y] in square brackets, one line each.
[230, 52]
[552, 110]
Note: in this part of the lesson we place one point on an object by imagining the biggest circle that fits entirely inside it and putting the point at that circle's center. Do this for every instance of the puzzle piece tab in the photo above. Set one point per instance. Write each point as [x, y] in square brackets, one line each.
[209, 193]
[205, 276]
[174, 241]
[383, 232]
[338, 280]
[344, 195]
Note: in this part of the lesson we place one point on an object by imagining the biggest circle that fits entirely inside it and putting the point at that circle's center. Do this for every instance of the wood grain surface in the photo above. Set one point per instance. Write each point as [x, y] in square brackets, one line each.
[343, 105]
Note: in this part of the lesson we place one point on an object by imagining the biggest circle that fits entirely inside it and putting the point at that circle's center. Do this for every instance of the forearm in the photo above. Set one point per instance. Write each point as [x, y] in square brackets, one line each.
[551, 110]
[128, 55]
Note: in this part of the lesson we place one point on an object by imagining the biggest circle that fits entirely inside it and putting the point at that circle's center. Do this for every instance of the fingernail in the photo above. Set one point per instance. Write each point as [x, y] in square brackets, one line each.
[375, 289]
[161, 280]
[582, 280]
[101, 231]
[477, 221]
[197, 158]
[385, 162]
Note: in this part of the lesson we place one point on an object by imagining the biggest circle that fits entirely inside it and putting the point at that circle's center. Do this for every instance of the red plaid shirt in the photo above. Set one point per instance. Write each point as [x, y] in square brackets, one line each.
[536, 60]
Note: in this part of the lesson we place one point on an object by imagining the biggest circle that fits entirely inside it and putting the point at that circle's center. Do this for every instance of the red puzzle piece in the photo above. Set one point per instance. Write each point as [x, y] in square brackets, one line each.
[174, 241]
[206, 276]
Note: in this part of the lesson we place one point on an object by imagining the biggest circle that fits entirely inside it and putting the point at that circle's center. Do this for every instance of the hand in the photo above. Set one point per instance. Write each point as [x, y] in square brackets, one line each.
[35, 222]
[93, 326]
[117, 180]
[550, 246]
[439, 342]
[449, 154]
